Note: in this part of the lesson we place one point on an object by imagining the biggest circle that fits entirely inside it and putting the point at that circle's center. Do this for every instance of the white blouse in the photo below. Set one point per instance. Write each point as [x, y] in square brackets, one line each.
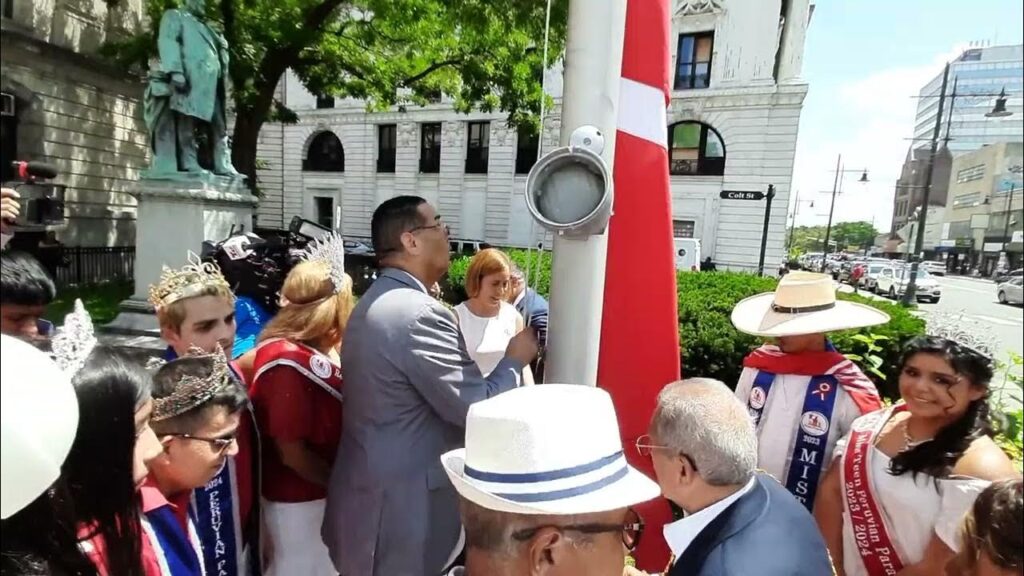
[488, 337]
[913, 508]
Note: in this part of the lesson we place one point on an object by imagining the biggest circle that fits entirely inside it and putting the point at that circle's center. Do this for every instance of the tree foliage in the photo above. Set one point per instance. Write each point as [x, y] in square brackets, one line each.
[846, 235]
[486, 55]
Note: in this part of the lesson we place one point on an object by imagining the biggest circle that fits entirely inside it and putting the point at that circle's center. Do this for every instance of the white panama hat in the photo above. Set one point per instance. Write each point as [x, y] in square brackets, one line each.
[803, 303]
[38, 421]
[552, 449]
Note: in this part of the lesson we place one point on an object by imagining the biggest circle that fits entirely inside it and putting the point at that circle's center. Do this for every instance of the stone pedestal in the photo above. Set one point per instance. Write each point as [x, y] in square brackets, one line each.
[174, 217]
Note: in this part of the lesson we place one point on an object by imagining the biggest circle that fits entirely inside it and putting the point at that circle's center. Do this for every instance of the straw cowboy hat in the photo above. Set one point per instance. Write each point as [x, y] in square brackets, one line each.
[552, 449]
[803, 303]
[38, 421]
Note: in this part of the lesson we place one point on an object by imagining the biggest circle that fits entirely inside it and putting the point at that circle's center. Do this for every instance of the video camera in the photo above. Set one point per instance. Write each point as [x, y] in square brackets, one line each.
[42, 203]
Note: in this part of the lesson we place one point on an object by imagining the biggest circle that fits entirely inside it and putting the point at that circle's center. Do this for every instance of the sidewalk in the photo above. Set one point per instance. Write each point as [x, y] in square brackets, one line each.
[971, 278]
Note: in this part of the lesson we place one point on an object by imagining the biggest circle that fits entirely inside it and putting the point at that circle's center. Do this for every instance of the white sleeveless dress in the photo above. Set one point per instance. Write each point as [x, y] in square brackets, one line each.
[913, 509]
[487, 338]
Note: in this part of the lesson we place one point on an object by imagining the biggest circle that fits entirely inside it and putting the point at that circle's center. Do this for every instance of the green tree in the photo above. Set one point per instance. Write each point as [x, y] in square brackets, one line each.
[854, 234]
[485, 54]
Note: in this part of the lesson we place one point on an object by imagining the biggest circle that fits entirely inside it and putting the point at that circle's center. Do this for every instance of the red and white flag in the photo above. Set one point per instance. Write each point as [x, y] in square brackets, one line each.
[640, 332]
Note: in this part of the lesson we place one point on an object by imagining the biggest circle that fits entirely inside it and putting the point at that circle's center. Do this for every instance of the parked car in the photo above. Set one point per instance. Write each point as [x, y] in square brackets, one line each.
[892, 282]
[464, 246]
[1011, 291]
[935, 268]
[870, 280]
[1007, 276]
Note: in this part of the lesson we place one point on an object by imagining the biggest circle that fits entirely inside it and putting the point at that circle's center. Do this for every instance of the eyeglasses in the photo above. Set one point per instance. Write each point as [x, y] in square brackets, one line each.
[218, 444]
[631, 530]
[644, 448]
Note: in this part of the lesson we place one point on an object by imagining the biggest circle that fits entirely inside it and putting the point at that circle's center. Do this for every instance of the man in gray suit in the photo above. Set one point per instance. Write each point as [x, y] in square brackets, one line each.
[409, 382]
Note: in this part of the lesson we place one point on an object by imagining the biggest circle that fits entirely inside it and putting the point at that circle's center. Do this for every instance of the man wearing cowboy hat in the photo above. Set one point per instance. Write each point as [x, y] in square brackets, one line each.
[544, 490]
[801, 392]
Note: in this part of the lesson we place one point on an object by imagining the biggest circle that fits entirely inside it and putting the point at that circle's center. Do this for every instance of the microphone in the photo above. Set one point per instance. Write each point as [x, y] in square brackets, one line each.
[34, 169]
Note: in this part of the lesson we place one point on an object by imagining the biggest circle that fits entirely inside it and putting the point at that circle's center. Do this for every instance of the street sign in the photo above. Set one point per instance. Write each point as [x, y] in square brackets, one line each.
[737, 195]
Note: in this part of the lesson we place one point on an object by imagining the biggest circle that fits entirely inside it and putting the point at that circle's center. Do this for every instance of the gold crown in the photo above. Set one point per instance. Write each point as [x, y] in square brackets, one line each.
[189, 281]
[192, 392]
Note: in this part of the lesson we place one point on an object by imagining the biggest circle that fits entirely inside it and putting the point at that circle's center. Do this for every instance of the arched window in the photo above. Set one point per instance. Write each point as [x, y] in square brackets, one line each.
[325, 154]
[695, 149]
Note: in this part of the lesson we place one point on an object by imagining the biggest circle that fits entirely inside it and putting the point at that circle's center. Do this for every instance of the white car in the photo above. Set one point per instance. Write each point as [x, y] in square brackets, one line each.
[892, 282]
[1011, 292]
[935, 268]
[870, 280]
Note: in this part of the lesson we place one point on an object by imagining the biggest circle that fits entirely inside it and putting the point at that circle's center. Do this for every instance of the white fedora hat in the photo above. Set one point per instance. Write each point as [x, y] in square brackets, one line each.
[551, 449]
[803, 303]
[38, 421]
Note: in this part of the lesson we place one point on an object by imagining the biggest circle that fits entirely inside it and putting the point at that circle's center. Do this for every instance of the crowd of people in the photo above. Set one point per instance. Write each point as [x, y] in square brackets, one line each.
[395, 435]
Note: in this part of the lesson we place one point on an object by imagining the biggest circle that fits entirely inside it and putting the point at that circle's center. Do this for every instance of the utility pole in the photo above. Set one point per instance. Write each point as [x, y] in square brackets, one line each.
[831, 211]
[592, 79]
[910, 294]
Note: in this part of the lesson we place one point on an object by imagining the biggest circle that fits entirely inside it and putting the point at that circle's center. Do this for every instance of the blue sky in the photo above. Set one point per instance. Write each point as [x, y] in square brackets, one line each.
[864, 61]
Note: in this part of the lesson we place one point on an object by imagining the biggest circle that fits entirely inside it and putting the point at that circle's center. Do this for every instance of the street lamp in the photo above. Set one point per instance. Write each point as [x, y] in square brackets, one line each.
[999, 110]
[792, 216]
[832, 208]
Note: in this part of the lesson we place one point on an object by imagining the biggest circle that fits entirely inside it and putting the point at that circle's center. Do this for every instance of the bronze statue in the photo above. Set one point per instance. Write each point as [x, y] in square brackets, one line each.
[186, 92]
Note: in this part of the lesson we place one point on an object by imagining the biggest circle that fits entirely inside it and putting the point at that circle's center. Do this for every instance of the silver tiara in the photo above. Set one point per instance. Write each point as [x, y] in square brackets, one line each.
[329, 250]
[963, 331]
[75, 340]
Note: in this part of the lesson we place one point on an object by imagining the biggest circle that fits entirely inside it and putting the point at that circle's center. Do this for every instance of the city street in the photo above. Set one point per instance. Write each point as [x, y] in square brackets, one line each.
[976, 301]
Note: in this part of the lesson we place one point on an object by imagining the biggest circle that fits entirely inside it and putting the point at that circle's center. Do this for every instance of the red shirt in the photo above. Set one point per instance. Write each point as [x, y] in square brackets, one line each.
[291, 406]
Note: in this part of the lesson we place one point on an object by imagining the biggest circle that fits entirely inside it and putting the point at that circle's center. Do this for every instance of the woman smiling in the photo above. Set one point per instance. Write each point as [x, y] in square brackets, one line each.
[903, 478]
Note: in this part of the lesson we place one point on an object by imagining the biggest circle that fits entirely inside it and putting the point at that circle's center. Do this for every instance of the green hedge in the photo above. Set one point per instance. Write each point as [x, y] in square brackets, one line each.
[710, 345]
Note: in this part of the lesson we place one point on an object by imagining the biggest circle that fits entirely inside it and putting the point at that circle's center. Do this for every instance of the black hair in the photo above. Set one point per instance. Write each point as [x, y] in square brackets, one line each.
[231, 396]
[98, 471]
[937, 457]
[24, 281]
[394, 217]
[41, 539]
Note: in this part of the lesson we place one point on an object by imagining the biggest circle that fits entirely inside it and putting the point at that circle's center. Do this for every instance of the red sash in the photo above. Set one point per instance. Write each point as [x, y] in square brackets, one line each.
[869, 530]
[311, 364]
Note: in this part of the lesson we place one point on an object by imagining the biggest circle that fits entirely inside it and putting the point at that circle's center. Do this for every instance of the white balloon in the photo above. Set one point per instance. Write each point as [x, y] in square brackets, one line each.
[38, 421]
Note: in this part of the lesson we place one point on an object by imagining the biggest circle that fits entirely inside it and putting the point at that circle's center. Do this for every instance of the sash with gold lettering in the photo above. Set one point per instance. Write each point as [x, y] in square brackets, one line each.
[874, 545]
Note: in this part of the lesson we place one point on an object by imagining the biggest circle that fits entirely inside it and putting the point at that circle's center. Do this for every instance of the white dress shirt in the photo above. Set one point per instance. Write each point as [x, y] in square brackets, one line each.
[681, 533]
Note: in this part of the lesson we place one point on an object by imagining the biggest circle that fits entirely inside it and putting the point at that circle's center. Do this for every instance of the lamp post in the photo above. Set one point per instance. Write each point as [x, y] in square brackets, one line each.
[793, 215]
[1009, 208]
[998, 111]
[832, 208]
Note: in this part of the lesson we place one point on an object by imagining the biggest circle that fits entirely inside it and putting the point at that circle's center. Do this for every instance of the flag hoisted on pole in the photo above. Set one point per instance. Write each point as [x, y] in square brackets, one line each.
[639, 351]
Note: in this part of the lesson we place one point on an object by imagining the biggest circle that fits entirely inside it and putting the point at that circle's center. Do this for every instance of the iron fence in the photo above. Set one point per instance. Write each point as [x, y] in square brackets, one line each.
[78, 265]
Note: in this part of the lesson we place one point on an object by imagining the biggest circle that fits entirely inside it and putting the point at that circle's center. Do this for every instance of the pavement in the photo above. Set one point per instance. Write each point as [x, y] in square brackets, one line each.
[975, 300]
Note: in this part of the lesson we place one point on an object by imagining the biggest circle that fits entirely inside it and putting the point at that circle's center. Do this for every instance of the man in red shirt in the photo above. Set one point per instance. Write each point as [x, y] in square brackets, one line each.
[197, 409]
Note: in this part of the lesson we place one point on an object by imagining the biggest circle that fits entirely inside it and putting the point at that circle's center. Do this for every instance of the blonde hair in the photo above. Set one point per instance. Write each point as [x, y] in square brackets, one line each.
[173, 315]
[484, 263]
[314, 314]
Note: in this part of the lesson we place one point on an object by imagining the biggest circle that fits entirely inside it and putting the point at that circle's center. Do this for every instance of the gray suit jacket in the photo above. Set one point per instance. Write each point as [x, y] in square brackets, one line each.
[409, 382]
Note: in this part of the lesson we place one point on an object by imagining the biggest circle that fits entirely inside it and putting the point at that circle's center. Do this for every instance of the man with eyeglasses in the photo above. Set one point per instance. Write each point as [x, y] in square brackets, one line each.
[546, 491]
[737, 522]
[409, 383]
[197, 409]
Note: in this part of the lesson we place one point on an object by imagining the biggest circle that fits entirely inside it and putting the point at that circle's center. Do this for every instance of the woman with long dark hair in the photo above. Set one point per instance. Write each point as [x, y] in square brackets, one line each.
[904, 477]
[107, 462]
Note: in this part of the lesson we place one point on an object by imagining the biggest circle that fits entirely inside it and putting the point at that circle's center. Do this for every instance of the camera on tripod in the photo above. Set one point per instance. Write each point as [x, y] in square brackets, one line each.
[42, 203]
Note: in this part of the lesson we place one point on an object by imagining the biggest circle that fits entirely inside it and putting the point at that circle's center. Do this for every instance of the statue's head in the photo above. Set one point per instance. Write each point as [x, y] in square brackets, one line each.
[195, 6]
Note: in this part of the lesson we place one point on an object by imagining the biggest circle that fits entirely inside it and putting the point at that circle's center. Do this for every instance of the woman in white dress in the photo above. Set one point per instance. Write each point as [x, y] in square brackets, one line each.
[487, 321]
[902, 480]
